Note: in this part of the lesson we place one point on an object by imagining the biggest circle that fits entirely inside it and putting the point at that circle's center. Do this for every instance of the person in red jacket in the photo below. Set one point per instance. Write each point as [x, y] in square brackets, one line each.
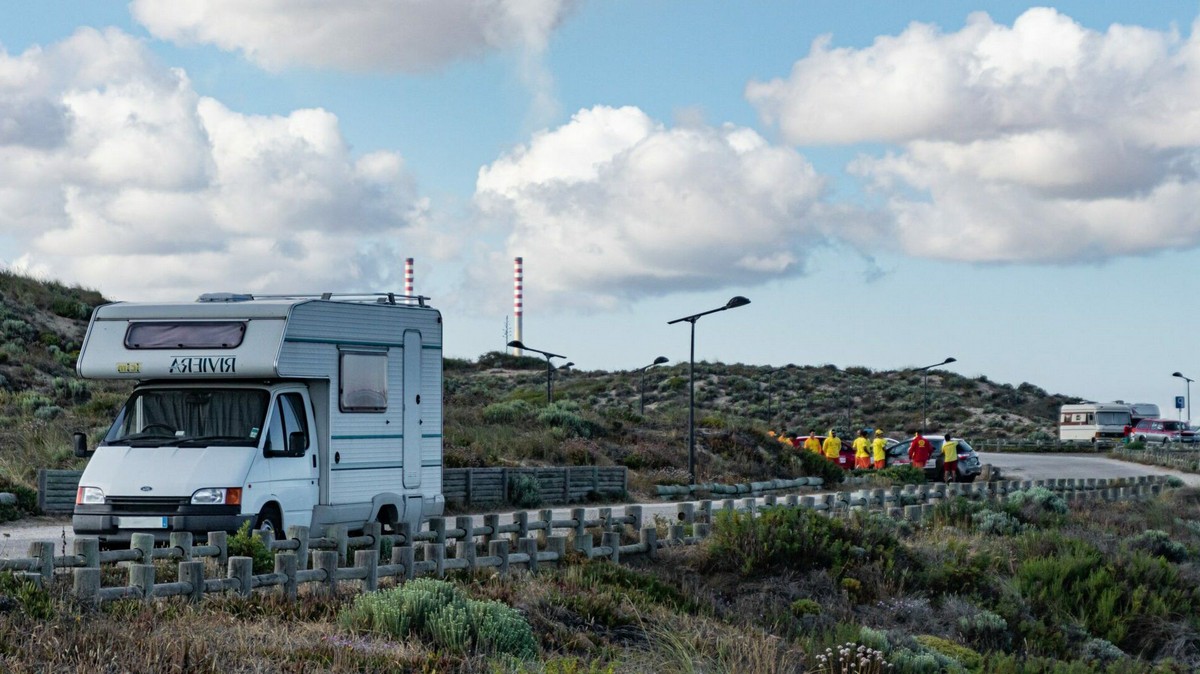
[919, 451]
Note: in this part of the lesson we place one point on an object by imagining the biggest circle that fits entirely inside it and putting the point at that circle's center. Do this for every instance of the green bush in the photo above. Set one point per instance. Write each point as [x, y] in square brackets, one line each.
[985, 630]
[565, 415]
[1158, 543]
[508, 412]
[17, 592]
[996, 523]
[243, 543]
[440, 612]
[524, 491]
[797, 539]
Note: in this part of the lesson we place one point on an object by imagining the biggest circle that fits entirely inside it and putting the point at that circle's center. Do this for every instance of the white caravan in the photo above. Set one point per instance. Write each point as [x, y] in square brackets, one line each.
[274, 410]
[1089, 422]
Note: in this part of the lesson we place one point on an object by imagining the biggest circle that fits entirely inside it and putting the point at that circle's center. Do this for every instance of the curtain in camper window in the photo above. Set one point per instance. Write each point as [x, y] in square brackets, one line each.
[222, 412]
[185, 335]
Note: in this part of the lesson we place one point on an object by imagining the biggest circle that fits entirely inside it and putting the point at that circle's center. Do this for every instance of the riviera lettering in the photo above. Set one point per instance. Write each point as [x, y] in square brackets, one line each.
[204, 365]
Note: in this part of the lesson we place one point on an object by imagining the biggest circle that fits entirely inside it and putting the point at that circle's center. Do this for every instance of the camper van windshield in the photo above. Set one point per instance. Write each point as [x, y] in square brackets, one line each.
[1112, 418]
[190, 417]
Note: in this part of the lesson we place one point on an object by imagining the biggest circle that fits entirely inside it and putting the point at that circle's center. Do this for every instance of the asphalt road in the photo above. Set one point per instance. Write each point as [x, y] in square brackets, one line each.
[15, 537]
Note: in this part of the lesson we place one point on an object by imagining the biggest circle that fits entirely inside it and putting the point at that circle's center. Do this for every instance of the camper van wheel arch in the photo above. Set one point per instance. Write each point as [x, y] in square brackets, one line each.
[388, 517]
[269, 519]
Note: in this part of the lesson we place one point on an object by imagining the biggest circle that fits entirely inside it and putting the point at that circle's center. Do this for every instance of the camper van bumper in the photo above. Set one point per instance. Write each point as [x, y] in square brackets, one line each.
[106, 526]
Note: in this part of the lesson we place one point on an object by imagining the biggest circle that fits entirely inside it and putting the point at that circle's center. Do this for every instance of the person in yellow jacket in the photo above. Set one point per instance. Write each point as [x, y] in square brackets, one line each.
[862, 452]
[832, 446]
[877, 450]
[950, 458]
[811, 443]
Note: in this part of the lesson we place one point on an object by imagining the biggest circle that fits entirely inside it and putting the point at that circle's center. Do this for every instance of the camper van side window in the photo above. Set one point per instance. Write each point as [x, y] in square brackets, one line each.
[185, 335]
[288, 418]
[362, 386]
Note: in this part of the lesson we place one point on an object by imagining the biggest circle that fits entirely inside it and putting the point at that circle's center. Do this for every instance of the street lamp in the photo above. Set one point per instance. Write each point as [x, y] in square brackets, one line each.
[516, 344]
[657, 361]
[925, 387]
[561, 368]
[1189, 393]
[733, 303]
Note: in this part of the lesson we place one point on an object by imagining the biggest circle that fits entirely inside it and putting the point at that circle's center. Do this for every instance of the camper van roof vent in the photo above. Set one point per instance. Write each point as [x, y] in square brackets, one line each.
[225, 297]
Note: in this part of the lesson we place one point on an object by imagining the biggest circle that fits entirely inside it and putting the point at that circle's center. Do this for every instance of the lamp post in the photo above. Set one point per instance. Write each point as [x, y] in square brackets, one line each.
[925, 387]
[1189, 393]
[561, 368]
[516, 344]
[733, 303]
[657, 361]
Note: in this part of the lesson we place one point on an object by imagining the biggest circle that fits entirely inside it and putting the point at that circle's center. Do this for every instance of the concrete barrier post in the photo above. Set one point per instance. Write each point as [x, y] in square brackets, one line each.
[634, 513]
[89, 550]
[558, 546]
[144, 544]
[677, 533]
[369, 560]
[437, 525]
[267, 537]
[86, 587]
[465, 548]
[220, 540]
[612, 540]
[686, 513]
[141, 576]
[491, 522]
[299, 534]
[701, 529]
[584, 544]
[649, 541]
[192, 573]
[183, 541]
[545, 516]
[327, 561]
[499, 548]
[405, 555]
[285, 565]
[579, 516]
[529, 546]
[375, 531]
[521, 519]
[242, 570]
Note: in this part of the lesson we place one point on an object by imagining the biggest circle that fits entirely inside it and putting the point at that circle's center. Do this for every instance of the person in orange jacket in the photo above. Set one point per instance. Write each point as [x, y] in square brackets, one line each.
[878, 452]
[919, 451]
[862, 453]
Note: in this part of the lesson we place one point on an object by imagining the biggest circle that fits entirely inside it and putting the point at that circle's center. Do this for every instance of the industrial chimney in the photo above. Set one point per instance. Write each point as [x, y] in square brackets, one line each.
[408, 279]
[518, 281]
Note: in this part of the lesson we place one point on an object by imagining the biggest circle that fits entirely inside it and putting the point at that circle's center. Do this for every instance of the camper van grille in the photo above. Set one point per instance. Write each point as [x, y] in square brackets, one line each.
[146, 504]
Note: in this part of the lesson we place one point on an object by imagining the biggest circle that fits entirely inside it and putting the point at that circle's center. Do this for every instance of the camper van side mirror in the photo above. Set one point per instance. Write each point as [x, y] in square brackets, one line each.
[79, 440]
[297, 443]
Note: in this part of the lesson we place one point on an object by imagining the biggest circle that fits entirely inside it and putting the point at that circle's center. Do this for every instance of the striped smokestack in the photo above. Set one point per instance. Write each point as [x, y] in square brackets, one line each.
[518, 292]
[408, 277]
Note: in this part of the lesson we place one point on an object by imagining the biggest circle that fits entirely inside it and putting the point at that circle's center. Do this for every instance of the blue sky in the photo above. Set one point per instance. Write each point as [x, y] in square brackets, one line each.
[1017, 189]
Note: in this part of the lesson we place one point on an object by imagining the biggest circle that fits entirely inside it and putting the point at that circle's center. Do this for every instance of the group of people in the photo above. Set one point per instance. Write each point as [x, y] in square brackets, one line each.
[872, 453]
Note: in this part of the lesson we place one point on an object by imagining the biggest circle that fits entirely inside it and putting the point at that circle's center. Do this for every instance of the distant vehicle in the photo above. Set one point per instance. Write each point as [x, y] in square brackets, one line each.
[1164, 431]
[968, 468]
[1089, 422]
[1139, 411]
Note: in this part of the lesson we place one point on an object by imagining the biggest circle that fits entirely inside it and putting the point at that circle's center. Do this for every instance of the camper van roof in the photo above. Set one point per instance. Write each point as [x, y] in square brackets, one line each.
[186, 310]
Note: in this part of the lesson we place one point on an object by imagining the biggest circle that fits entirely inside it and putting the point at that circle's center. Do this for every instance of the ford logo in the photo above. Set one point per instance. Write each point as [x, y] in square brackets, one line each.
[147, 488]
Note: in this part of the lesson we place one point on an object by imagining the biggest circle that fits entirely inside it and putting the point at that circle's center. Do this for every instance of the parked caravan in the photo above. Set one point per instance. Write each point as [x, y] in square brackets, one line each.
[1139, 411]
[1089, 422]
[274, 410]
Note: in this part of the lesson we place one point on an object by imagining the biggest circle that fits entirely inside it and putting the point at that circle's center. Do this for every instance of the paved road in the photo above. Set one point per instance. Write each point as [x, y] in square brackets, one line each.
[15, 537]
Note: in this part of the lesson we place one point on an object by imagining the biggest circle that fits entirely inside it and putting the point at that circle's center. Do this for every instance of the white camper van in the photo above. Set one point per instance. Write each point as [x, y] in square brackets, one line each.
[277, 410]
[1089, 422]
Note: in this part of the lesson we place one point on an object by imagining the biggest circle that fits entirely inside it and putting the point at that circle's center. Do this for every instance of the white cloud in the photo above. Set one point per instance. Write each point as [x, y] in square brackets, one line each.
[127, 180]
[613, 205]
[360, 35]
[1044, 141]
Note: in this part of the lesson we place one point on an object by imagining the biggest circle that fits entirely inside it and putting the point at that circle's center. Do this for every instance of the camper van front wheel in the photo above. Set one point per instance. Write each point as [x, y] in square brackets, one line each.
[269, 519]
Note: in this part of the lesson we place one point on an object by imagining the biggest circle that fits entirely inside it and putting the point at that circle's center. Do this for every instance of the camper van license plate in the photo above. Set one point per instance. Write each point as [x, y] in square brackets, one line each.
[142, 522]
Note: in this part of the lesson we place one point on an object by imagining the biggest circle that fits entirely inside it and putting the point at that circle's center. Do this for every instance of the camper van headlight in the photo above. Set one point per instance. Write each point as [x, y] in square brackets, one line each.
[217, 496]
[89, 496]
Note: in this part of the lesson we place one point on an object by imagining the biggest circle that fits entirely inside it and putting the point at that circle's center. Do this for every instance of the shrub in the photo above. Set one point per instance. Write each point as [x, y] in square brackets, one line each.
[243, 543]
[1102, 651]
[805, 607]
[524, 491]
[1159, 543]
[508, 412]
[997, 523]
[438, 611]
[986, 630]
[23, 594]
[955, 653]
[900, 475]
[564, 415]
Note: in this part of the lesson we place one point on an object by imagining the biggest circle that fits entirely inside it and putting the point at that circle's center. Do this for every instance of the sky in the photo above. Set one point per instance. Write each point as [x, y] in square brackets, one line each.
[1013, 185]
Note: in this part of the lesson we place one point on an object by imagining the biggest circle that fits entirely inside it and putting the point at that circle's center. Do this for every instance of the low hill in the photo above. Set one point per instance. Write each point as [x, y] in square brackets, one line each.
[496, 411]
